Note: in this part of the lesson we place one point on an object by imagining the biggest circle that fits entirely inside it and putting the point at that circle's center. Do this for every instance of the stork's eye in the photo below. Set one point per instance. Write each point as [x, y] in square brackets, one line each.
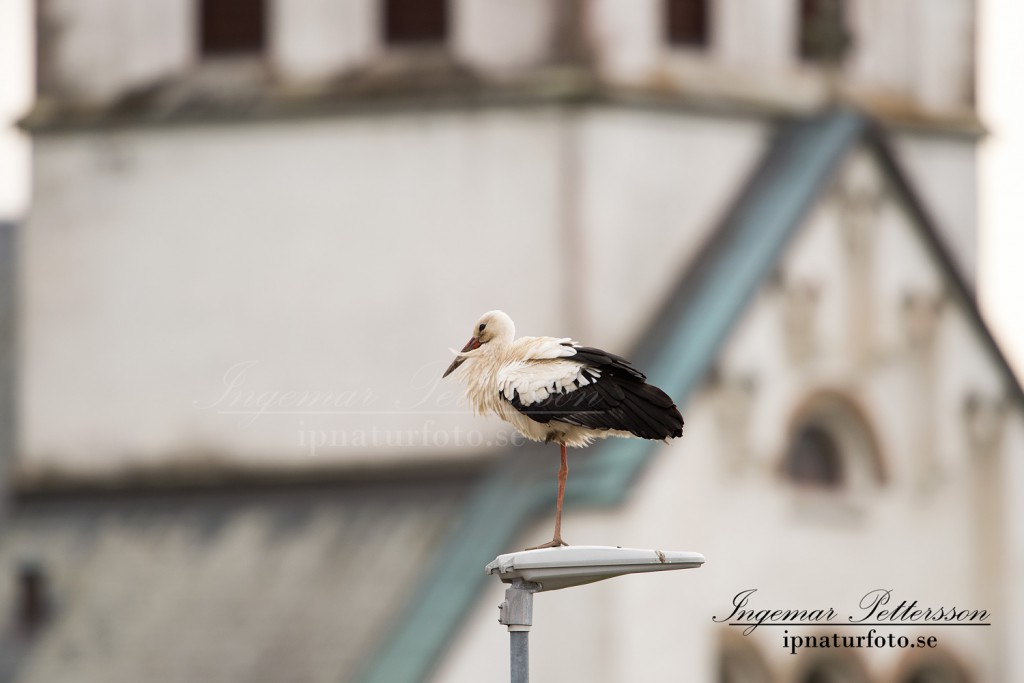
[482, 326]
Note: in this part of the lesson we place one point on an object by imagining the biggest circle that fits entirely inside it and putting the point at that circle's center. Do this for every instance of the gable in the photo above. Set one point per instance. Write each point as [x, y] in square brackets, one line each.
[858, 304]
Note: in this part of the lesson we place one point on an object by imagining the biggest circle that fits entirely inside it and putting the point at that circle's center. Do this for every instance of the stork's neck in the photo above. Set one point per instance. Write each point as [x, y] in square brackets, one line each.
[480, 375]
[499, 345]
[490, 355]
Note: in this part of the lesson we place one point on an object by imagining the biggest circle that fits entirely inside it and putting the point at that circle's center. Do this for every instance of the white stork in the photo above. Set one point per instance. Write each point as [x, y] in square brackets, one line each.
[556, 390]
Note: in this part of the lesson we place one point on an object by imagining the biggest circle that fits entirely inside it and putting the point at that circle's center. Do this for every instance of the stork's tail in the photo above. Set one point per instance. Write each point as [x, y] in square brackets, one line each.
[649, 412]
[640, 408]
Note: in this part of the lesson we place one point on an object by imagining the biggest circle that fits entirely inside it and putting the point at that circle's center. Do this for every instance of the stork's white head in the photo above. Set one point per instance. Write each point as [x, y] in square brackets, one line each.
[494, 328]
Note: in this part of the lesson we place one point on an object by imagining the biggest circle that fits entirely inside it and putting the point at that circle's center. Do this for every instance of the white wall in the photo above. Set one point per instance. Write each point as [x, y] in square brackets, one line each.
[921, 49]
[339, 256]
[626, 37]
[653, 188]
[944, 171]
[757, 36]
[504, 36]
[314, 40]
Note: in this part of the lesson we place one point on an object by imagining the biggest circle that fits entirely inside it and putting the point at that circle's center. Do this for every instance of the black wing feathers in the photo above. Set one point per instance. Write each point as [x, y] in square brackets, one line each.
[619, 399]
[606, 362]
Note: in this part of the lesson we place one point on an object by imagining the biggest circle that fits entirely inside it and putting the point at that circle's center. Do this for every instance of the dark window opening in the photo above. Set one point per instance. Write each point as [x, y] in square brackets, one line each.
[32, 599]
[824, 36]
[686, 22]
[814, 458]
[412, 22]
[232, 27]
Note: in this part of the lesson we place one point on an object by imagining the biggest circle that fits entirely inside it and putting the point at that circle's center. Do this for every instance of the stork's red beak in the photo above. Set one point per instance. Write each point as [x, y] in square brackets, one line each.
[473, 343]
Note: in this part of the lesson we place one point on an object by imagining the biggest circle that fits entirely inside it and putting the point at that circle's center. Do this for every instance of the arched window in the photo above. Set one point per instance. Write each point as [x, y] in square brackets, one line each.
[824, 36]
[831, 445]
[814, 457]
[33, 599]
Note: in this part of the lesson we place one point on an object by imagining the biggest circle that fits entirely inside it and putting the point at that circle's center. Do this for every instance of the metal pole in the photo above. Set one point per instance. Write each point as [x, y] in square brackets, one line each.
[520, 660]
[517, 613]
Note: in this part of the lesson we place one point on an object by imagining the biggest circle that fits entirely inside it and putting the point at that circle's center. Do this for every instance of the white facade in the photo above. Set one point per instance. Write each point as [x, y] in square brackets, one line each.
[313, 254]
[290, 268]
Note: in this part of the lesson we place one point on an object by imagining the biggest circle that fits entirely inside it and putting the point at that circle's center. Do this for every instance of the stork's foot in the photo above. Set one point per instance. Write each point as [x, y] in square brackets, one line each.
[555, 542]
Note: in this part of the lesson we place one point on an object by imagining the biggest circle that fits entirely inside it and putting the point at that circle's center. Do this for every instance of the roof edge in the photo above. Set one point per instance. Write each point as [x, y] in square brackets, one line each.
[880, 143]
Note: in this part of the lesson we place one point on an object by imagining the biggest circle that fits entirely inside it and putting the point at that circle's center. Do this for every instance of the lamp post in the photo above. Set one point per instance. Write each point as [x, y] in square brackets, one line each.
[536, 571]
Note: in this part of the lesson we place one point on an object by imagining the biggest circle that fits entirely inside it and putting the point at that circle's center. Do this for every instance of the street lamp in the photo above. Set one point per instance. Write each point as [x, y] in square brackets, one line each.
[548, 569]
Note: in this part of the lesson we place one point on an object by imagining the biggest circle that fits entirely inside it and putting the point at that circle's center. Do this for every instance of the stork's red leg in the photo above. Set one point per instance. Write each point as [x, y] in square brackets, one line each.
[563, 474]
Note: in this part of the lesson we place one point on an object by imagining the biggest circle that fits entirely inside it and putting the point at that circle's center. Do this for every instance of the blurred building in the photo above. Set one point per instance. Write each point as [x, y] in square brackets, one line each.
[257, 226]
